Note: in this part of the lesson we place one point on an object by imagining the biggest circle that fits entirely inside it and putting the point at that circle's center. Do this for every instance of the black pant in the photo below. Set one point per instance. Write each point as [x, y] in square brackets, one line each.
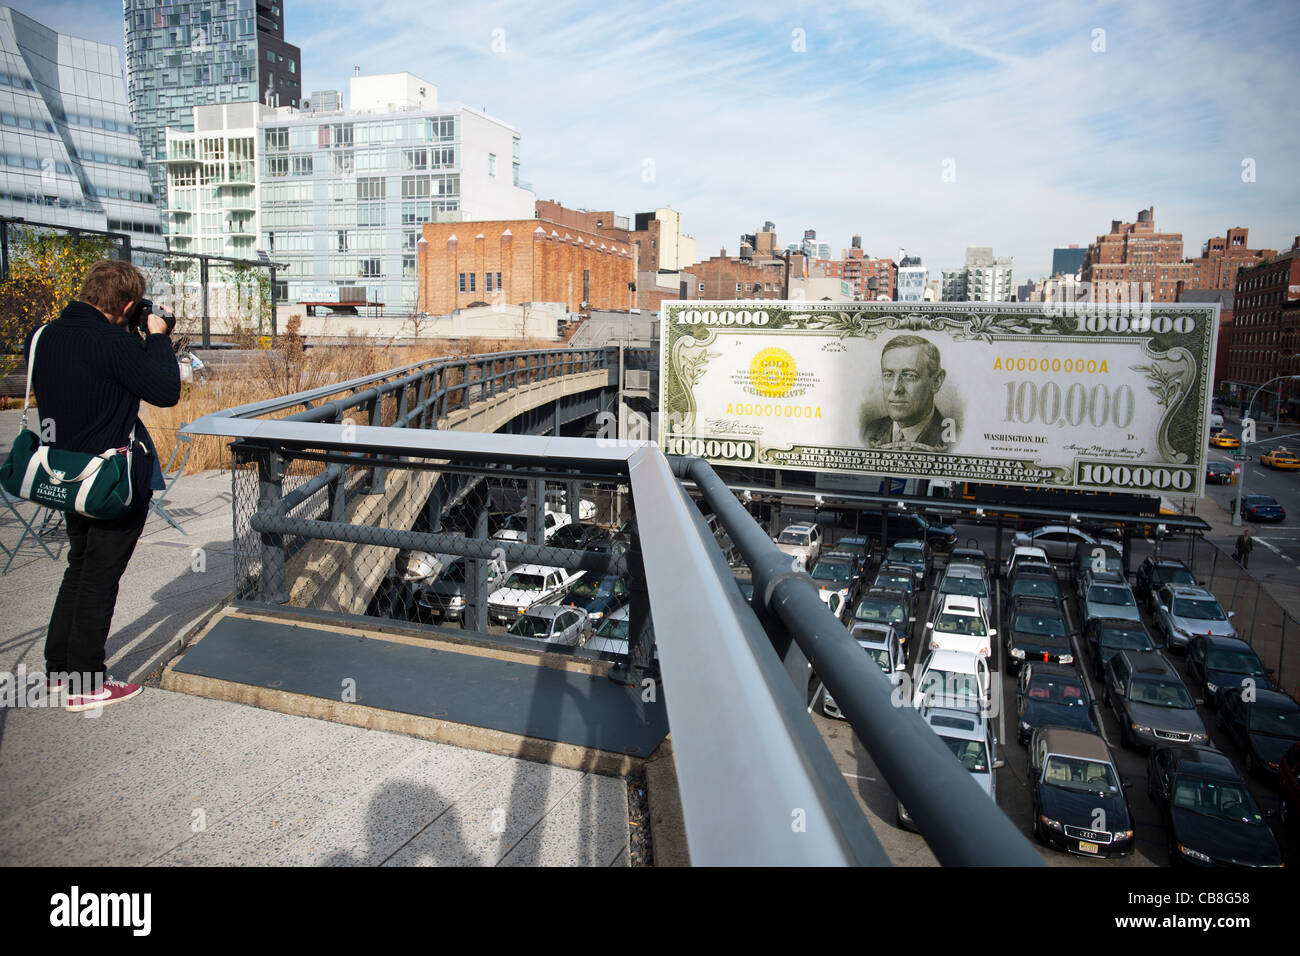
[83, 612]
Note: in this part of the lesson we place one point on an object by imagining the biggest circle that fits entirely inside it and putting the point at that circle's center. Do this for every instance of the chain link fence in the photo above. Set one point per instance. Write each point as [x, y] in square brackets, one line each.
[548, 559]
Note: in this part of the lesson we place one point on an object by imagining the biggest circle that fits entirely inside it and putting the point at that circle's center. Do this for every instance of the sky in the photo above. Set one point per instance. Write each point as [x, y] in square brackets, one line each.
[922, 126]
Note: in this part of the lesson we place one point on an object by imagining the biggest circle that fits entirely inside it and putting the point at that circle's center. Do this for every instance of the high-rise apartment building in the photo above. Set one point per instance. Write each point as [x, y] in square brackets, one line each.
[1266, 327]
[912, 276]
[68, 151]
[342, 195]
[204, 52]
[1222, 256]
[1134, 262]
[984, 278]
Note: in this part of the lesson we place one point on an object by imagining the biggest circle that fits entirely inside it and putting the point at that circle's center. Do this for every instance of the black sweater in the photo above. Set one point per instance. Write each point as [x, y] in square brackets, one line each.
[90, 378]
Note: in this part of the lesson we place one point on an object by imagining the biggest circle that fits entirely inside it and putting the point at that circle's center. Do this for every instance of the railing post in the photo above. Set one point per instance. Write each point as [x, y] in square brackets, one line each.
[639, 667]
[536, 517]
[476, 581]
[376, 482]
[270, 489]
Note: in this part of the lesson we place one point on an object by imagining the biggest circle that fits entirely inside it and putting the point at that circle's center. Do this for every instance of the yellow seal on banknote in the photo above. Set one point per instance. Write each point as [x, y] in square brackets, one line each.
[771, 373]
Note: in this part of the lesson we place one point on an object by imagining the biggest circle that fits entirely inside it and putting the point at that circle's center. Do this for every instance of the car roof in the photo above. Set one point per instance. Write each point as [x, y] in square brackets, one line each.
[1272, 697]
[1034, 602]
[908, 543]
[837, 557]
[1149, 662]
[547, 611]
[1207, 760]
[1155, 562]
[1045, 669]
[799, 526]
[852, 540]
[947, 659]
[884, 633]
[1118, 623]
[1075, 743]
[533, 569]
[1222, 640]
[1105, 577]
[960, 604]
[954, 723]
[1029, 549]
[1035, 567]
[894, 567]
[1187, 591]
[885, 594]
[965, 571]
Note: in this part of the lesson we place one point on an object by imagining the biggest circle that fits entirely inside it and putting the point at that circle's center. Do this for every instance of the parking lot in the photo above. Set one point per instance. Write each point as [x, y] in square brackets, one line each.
[1012, 782]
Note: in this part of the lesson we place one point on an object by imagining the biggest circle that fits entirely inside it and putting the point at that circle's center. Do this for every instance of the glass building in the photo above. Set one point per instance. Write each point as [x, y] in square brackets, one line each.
[185, 54]
[212, 181]
[342, 194]
[68, 152]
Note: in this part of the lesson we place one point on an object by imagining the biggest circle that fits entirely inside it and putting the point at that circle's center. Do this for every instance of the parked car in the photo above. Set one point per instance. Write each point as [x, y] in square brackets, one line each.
[444, 597]
[968, 580]
[803, 542]
[954, 679]
[974, 556]
[552, 624]
[1061, 542]
[1181, 612]
[1088, 564]
[1150, 701]
[886, 606]
[1034, 580]
[1072, 776]
[1051, 695]
[1225, 440]
[1220, 473]
[1262, 508]
[1288, 785]
[884, 645]
[898, 576]
[1264, 724]
[576, 536]
[1022, 554]
[862, 550]
[1036, 630]
[611, 636]
[1215, 662]
[961, 625]
[526, 586]
[903, 526]
[970, 738]
[838, 584]
[1114, 599]
[1281, 458]
[916, 555]
[1105, 637]
[597, 595]
[1153, 572]
[516, 526]
[1209, 815]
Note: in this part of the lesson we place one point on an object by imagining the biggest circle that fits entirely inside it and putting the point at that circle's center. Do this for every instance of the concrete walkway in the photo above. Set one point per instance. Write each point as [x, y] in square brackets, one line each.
[171, 779]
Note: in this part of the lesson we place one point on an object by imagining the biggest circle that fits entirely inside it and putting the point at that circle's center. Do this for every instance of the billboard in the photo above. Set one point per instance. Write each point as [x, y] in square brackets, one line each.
[1081, 396]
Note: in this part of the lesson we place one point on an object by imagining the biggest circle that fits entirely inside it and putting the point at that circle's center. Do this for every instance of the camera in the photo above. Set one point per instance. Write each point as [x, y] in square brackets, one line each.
[138, 321]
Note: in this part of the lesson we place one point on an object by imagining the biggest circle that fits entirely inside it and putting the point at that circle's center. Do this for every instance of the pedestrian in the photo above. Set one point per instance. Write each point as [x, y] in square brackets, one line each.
[89, 378]
[1244, 546]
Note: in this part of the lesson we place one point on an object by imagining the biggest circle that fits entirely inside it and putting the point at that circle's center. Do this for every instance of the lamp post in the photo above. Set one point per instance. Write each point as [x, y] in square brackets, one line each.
[1241, 482]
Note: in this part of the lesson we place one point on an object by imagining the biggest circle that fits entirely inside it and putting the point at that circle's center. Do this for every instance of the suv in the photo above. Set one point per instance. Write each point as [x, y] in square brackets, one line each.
[1072, 776]
[885, 606]
[1181, 612]
[902, 526]
[1108, 598]
[1150, 701]
[516, 526]
[1153, 572]
[916, 555]
[803, 542]
[525, 586]
[1037, 631]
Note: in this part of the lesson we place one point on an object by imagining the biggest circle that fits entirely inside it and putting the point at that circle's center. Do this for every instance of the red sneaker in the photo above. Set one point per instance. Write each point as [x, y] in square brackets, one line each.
[112, 692]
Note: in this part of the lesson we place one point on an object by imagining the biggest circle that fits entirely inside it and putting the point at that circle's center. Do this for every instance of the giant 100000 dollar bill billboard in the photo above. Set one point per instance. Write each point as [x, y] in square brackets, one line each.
[1034, 395]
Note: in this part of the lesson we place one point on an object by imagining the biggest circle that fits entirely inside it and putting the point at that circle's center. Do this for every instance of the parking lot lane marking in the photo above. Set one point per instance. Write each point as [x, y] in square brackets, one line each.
[857, 776]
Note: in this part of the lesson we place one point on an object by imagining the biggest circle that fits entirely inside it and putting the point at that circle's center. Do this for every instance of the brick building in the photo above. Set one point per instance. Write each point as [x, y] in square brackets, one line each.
[1133, 255]
[1266, 328]
[521, 260]
[725, 277]
[599, 222]
[1221, 257]
[869, 278]
[1225, 298]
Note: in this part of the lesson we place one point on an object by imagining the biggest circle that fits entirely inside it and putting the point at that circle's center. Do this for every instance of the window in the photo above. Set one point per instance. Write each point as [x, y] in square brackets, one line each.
[370, 187]
[415, 159]
[370, 268]
[415, 187]
[586, 285]
[701, 286]
[343, 161]
[277, 165]
[500, 287]
[302, 165]
[472, 277]
[737, 286]
[343, 240]
[492, 164]
[408, 267]
[487, 282]
[462, 282]
[443, 158]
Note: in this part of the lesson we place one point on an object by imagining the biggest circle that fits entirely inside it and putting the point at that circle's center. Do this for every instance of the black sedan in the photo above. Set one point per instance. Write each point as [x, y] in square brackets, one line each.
[1079, 802]
[1154, 572]
[598, 596]
[1036, 630]
[1052, 695]
[885, 606]
[1262, 508]
[1107, 636]
[1264, 723]
[1214, 662]
[1219, 473]
[1210, 817]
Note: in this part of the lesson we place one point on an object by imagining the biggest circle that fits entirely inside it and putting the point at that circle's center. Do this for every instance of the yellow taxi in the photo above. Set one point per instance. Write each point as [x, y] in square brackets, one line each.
[1283, 459]
[1224, 440]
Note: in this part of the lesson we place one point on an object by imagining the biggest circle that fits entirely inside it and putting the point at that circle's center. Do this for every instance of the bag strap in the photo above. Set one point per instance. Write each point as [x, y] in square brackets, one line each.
[31, 365]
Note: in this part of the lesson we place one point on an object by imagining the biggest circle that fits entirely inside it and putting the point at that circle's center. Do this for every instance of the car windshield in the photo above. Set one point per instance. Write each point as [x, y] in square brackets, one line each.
[959, 624]
[974, 756]
[938, 687]
[1235, 662]
[589, 587]
[1057, 689]
[1198, 610]
[613, 627]
[971, 587]
[1217, 798]
[1161, 693]
[454, 572]
[1126, 640]
[794, 537]
[876, 610]
[881, 656]
[1275, 722]
[526, 625]
[516, 522]
[837, 571]
[855, 545]
[1079, 773]
[1167, 574]
[1045, 624]
[524, 582]
[905, 555]
[888, 579]
[1035, 587]
[1105, 594]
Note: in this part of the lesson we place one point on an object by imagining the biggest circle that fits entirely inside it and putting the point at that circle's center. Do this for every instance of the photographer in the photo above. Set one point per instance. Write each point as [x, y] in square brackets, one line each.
[91, 372]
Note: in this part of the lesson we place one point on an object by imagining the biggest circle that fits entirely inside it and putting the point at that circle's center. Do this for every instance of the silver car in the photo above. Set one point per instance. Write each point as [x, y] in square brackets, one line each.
[883, 645]
[1150, 701]
[1061, 541]
[1109, 600]
[971, 740]
[551, 623]
[1182, 612]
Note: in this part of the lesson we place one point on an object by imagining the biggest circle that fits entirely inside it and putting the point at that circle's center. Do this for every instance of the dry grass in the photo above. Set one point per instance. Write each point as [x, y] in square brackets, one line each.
[288, 369]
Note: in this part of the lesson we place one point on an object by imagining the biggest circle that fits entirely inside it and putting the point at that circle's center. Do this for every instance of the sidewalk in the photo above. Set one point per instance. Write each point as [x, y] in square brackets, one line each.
[172, 779]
